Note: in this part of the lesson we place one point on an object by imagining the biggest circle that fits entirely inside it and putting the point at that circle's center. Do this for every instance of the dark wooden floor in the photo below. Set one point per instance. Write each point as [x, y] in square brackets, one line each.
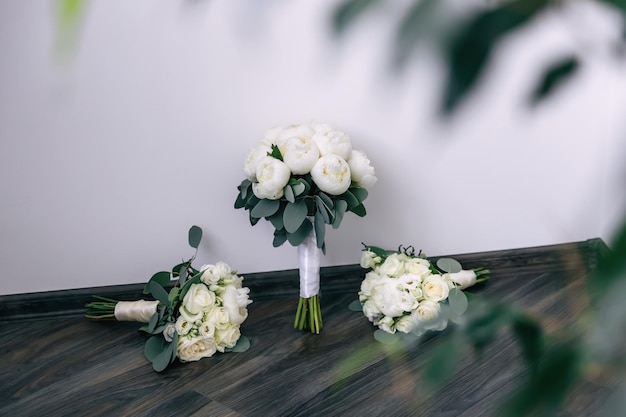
[69, 366]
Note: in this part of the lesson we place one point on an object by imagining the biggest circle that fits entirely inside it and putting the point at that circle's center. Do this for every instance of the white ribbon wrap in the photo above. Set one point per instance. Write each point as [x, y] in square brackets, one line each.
[465, 278]
[140, 310]
[309, 256]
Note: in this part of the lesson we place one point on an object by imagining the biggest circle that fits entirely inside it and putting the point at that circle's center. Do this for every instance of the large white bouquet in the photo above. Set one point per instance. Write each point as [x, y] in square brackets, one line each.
[301, 178]
[405, 292]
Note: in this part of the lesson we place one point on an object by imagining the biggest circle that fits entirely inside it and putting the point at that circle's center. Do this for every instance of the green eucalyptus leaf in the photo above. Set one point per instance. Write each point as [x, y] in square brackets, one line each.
[359, 210]
[294, 215]
[298, 188]
[387, 338]
[299, 235]
[350, 199]
[359, 193]
[443, 361]
[173, 294]
[153, 322]
[320, 229]
[340, 209]
[322, 210]
[254, 220]
[289, 194]
[240, 201]
[159, 293]
[307, 181]
[280, 237]
[355, 306]
[327, 200]
[554, 77]
[265, 208]
[193, 280]
[449, 265]
[348, 11]
[163, 359]
[458, 301]
[153, 347]
[252, 201]
[195, 236]
[244, 188]
[277, 220]
[242, 345]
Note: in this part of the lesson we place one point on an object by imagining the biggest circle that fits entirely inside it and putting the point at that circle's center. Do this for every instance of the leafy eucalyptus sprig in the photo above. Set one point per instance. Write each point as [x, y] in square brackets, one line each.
[302, 199]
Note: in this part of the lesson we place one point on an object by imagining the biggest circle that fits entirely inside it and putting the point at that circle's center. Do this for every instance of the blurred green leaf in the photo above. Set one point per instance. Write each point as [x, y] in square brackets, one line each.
[359, 210]
[242, 345]
[280, 237]
[348, 11]
[619, 5]
[530, 337]
[387, 338]
[359, 193]
[154, 345]
[163, 278]
[163, 359]
[195, 236]
[554, 77]
[350, 199]
[443, 361]
[298, 188]
[322, 209]
[294, 215]
[448, 265]
[612, 266]
[471, 48]
[265, 208]
[416, 23]
[153, 322]
[277, 219]
[458, 301]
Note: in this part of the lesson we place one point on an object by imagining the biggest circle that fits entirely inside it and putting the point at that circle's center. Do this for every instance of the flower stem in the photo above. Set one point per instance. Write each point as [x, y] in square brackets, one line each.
[309, 315]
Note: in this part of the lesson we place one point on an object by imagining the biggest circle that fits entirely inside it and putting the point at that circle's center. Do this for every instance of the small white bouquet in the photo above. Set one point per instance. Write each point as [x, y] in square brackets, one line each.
[405, 292]
[199, 316]
[301, 178]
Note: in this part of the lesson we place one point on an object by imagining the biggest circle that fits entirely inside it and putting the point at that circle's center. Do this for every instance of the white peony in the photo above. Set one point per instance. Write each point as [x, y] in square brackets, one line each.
[195, 348]
[390, 299]
[361, 169]
[272, 175]
[271, 135]
[230, 298]
[292, 131]
[333, 142]
[252, 161]
[331, 173]
[370, 280]
[370, 310]
[211, 274]
[300, 154]
[435, 288]
[386, 324]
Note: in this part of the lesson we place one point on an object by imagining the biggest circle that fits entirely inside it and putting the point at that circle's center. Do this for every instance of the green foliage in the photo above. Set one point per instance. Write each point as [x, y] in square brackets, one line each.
[302, 200]
[448, 265]
[195, 236]
[554, 77]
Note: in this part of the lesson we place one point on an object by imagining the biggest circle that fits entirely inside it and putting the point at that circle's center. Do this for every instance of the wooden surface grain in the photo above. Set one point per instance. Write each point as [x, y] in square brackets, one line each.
[70, 366]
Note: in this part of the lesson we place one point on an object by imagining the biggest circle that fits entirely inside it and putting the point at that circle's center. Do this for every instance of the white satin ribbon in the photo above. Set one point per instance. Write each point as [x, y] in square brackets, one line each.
[309, 258]
[140, 310]
[465, 278]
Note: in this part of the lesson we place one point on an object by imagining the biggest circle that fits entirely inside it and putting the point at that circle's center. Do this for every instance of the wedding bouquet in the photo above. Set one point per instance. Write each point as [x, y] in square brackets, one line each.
[301, 178]
[199, 316]
[405, 292]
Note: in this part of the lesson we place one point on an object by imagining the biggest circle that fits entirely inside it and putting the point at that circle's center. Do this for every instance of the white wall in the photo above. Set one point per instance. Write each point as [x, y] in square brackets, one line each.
[107, 160]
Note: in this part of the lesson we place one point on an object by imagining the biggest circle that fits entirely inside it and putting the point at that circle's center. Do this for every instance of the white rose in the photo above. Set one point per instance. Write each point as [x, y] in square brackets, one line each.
[300, 154]
[218, 316]
[169, 332]
[331, 173]
[252, 161]
[272, 175]
[369, 259]
[197, 299]
[393, 266]
[333, 142]
[464, 278]
[210, 274]
[227, 337]
[361, 169]
[196, 348]
[428, 311]
[417, 266]
[230, 300]
[386, 324]
[407, 323]
[435, 288]
[182, 326]
[243, 298]
[206, 329]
